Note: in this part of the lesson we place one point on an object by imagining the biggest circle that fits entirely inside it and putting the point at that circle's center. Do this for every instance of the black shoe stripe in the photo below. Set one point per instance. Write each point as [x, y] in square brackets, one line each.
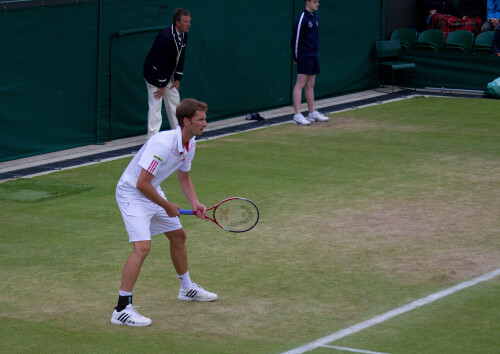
[124, 317]
[192, 293]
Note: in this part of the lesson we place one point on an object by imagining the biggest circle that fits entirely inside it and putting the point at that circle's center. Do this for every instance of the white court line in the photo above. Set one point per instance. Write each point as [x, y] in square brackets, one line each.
[351, 349]
[388, 315]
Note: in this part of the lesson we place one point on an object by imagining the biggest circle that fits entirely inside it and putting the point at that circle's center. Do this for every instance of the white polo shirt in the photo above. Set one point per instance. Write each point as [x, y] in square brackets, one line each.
[161, 155]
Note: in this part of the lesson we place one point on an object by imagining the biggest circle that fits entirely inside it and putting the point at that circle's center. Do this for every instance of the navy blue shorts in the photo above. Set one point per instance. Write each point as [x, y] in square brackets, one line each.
[308, 66]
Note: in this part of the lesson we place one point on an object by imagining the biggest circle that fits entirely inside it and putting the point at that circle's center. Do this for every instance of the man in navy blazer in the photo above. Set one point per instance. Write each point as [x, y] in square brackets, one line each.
[163, 70]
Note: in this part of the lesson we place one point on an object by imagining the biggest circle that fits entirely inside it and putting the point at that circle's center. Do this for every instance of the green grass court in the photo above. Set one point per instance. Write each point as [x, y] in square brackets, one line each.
[377, 208]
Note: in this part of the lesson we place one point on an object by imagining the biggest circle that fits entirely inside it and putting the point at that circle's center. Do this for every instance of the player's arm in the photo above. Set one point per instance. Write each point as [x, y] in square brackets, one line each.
[164, 58]
[160, 64]
[187, 188]
[146, 187]
[176, 85]
[179, 68]
[293, 41]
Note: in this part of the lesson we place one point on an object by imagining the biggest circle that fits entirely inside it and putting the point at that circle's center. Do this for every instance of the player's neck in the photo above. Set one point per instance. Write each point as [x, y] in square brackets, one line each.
[179, 31]
[186, 136]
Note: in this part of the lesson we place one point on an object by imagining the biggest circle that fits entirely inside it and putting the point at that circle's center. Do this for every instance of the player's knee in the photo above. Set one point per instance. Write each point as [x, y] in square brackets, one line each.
[177, 237]
[142, 249]
[299, 85]
[310, 84]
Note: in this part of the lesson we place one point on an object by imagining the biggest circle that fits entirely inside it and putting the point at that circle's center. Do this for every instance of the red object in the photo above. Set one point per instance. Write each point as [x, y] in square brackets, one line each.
[448, 23]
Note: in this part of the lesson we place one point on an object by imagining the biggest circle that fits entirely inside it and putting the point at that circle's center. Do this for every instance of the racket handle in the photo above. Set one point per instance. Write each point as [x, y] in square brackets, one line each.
[187, 212]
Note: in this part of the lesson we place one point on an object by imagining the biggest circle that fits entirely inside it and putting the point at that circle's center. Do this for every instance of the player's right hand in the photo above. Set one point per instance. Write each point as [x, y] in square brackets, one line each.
[159, 93]
[172, 210]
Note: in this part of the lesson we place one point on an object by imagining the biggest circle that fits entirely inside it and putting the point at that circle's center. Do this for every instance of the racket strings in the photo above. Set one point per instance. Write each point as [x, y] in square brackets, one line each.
[237, 215]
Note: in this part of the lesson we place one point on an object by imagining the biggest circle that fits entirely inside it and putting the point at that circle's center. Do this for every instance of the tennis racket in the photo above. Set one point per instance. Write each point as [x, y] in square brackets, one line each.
[233, 214]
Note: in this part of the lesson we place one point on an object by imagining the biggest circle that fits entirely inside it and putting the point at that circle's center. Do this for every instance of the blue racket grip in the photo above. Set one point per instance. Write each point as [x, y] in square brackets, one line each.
[187, 212]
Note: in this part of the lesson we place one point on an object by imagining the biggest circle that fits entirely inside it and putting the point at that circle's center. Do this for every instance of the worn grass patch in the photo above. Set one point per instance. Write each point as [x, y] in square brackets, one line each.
[33, 190]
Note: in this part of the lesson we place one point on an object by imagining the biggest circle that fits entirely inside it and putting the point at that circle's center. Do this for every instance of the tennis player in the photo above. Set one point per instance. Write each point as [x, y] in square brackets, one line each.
[146, 211]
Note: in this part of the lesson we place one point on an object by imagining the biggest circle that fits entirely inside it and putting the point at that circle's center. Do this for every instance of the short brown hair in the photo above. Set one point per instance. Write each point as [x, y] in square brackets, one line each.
[178, 13]
[187, 108]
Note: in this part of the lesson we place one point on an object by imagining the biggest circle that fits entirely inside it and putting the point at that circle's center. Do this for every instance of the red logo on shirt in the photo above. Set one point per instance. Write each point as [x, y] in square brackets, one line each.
[152, 166]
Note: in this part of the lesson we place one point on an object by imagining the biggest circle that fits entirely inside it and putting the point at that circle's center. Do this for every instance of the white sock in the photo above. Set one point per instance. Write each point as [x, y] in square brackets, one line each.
[186, 282]
[125, 293]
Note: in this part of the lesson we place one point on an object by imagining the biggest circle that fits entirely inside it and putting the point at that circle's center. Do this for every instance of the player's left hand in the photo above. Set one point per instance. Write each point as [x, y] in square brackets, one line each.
[202, 211]
[176, 85]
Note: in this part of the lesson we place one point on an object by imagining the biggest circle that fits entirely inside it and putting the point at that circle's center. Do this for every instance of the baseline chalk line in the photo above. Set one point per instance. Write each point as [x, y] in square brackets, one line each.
[388, 315]
[351, 349]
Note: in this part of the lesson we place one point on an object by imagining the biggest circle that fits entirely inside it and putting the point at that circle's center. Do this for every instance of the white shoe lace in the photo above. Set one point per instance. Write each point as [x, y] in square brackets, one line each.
[136, 314]
[198, 287]
[201, 292]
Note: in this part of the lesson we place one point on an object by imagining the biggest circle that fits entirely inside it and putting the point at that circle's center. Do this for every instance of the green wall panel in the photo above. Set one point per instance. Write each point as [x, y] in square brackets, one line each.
[458, 71]
[48, 79]
[72, 75]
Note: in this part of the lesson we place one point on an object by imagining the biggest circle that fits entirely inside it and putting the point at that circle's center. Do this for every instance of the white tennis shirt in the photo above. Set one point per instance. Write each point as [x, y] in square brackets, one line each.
[161, 155]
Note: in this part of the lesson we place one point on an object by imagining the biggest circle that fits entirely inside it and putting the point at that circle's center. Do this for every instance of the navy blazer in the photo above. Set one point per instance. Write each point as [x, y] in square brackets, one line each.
[165, 58]
[305, 36]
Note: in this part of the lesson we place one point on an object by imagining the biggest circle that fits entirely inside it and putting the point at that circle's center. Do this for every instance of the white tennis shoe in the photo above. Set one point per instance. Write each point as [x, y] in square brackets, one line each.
[130, 317]
[299, 119]
[196, 293]
[317, 117]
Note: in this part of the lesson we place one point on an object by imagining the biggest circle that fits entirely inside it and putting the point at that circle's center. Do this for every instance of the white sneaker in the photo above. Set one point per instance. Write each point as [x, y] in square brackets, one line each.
[196, 293]
[299, 119]
[317, 117]
[130, 317]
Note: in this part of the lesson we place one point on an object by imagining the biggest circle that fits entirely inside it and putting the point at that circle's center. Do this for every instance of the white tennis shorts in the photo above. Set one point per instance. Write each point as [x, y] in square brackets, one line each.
[144, 219]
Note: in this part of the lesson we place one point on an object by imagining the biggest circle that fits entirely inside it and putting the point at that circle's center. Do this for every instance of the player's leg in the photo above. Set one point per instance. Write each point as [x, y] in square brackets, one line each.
[154, 111]
[309, 92]
[124, 313]
[171, 99]
[178, 252]
[297, 92]
[304, 69]
[133, 264]
[314, 115]
[140, 237]
[189, 291]
[298, 118]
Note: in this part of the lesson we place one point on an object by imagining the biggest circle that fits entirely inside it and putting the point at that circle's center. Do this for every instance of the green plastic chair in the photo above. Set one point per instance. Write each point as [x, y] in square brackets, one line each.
[483, 43]
[459, 42]
[430, 41]
[388, 57]
[407, 37]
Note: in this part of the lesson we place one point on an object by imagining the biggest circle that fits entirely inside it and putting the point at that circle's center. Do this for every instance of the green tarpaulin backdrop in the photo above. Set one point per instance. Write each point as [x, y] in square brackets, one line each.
[71, 75]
